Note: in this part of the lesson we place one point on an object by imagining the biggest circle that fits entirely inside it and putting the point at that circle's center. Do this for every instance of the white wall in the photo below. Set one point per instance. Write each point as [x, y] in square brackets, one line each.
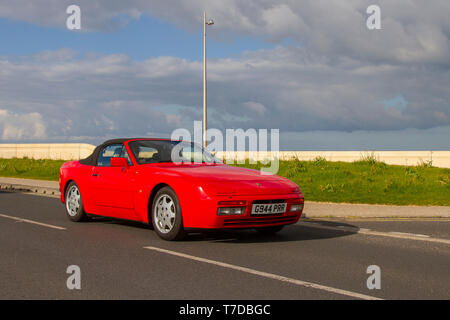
[75, 151]
[409, 158]
[54, 151]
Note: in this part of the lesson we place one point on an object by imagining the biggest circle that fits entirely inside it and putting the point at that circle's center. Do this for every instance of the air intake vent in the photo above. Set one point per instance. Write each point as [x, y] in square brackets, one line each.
[259, 221]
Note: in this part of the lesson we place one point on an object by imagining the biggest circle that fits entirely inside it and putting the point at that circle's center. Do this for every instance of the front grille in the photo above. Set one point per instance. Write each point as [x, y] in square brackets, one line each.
[259, 221]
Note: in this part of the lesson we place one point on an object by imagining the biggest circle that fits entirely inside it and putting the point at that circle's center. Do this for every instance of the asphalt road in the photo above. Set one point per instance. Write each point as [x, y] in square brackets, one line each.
[314, 259]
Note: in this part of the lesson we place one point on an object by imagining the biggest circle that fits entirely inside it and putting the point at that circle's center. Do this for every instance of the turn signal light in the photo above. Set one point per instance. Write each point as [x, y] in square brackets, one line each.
[224, 211]
[297, 207]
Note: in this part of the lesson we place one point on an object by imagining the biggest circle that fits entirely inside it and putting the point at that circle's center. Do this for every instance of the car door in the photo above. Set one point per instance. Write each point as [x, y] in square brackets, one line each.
[113, 187]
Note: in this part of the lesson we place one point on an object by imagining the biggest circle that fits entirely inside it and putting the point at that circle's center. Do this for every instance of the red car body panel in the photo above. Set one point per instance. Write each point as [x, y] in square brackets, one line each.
[125, 192]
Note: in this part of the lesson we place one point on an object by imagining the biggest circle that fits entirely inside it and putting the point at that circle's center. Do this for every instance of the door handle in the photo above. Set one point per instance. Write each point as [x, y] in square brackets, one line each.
[95, 174]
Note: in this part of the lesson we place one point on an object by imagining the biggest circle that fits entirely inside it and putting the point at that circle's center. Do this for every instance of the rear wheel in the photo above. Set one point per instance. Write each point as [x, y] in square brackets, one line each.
[166, 215]
[74, 203]
[269, 230]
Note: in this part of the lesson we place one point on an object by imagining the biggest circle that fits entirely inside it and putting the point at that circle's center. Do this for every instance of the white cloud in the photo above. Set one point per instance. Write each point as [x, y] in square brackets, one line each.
[255, 107]
[21, 126]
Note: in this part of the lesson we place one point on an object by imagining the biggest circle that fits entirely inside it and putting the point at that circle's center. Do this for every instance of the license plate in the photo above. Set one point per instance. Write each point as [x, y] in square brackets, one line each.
[269, 208]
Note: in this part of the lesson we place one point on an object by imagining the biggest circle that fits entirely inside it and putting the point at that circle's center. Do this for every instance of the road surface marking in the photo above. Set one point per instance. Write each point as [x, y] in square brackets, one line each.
[410, 234]
[267, 275]
[400, 235]
[33, 222]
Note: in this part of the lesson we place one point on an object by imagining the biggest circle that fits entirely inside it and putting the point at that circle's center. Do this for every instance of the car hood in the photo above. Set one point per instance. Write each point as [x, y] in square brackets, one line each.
[228, 180]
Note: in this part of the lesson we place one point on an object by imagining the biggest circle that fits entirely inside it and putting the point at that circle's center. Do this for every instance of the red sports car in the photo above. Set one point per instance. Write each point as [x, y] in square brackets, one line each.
[138, 179]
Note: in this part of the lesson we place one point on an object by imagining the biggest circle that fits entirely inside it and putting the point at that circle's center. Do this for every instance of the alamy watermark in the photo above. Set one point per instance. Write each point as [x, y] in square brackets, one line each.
[74, 280]
[373, 22]
[73, 21]
[374, 280]
[235, 146]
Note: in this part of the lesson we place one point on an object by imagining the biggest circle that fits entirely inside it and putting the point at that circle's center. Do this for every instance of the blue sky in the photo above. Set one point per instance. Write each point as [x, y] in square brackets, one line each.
[310, 69]
[140, 39]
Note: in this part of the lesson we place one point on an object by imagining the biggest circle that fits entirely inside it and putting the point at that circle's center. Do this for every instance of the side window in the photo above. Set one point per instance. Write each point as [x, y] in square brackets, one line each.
[111, 151]
[124, 154]
[148, 154]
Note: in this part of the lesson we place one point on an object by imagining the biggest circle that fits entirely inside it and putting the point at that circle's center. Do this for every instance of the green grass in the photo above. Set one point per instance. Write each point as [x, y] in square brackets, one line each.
[31, 169]
[368, 181]
[364, 181]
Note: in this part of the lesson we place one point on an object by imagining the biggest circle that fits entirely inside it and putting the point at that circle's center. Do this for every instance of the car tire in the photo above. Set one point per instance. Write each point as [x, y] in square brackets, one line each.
[74, 203]
[269, 230]
[166, 215]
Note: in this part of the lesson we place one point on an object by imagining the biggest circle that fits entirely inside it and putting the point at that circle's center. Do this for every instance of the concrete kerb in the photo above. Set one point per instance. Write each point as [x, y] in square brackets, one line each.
[30, 189]
[344, 210]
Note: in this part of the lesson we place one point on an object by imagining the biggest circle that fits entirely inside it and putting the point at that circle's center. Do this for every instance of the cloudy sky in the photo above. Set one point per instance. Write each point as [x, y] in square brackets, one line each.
[309, 68]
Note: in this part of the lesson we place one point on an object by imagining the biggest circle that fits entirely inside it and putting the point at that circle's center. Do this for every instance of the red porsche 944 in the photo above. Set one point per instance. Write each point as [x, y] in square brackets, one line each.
[138, 179]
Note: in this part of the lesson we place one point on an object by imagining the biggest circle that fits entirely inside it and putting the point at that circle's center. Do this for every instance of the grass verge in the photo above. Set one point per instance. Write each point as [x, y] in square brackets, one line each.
[367, 181]
[30, 169]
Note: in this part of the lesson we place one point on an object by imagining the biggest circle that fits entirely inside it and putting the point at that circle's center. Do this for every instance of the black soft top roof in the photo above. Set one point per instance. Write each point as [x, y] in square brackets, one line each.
[92, 159]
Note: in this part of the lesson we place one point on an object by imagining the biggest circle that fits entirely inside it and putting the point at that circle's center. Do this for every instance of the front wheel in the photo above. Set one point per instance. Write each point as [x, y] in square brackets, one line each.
[166, 215]
[269, 230]
[74, 203]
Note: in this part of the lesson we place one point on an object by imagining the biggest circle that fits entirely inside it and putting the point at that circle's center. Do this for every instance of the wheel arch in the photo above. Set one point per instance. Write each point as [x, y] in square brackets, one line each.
[66, 185]
[151, 198]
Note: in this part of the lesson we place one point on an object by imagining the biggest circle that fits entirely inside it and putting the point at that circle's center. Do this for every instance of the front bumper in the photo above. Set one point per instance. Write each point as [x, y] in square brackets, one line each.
[204, 215]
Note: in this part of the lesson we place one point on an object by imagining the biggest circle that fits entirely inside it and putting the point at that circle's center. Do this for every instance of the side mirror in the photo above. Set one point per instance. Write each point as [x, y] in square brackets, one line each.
[119, 162]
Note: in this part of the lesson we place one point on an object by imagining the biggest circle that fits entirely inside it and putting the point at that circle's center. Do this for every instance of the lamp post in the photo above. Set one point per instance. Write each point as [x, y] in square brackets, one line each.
[205, 23]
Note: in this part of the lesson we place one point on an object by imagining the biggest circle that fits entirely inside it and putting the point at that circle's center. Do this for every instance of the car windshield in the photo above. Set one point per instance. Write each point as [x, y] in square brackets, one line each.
[159, 151]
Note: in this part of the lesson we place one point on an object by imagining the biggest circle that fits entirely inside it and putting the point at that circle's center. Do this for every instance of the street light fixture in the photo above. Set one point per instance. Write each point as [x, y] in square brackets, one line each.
[210, 22]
